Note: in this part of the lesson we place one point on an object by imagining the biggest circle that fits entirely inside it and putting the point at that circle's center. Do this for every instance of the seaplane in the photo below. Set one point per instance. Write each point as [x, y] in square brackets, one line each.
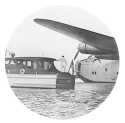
[103, 63]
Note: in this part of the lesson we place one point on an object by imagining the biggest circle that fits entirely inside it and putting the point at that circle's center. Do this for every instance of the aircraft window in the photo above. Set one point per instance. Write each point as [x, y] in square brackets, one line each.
[92, 72]
[95, 72]
[79, 66]
[117, 73]
[105, 69]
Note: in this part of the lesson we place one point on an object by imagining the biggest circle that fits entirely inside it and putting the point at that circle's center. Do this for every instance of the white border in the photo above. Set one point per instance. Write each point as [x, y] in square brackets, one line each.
[111, 12]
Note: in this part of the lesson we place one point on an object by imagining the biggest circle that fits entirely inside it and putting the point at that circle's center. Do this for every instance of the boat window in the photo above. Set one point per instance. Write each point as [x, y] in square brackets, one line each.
[105, 69]
[24, 63]
[7, 62]
[34, 65]
[92, 72]
[39, 63]
[31, 65]
[47, 65]
[20, 64]
[12, 62]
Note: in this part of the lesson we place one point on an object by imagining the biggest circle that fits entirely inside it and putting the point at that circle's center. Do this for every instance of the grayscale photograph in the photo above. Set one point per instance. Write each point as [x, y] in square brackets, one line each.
[62, 62]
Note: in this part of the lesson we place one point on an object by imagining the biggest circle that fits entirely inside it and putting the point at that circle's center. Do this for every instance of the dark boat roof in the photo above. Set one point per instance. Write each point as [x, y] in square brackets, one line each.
[30, 58]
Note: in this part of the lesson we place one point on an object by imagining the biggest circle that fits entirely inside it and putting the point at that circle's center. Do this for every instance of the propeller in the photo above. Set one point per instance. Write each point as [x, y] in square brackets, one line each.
[94, 59]
[72, 64]
[76, 55]
[90, 56]
[98, 60]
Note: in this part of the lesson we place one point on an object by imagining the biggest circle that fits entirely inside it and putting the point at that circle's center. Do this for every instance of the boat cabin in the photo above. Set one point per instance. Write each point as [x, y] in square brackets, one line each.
[30, 65]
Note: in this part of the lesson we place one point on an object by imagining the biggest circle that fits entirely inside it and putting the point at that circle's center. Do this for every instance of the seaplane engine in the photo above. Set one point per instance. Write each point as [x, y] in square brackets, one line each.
[87, 49]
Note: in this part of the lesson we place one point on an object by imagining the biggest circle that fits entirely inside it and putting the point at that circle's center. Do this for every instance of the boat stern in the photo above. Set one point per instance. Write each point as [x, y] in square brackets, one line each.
[65, 81]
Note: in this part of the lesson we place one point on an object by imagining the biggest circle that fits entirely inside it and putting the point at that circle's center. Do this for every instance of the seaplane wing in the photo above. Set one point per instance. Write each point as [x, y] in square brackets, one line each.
[108, 57]
[99, 43]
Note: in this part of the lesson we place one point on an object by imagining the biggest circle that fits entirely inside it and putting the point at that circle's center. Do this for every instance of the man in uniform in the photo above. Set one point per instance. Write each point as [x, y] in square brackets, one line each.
[63, 63]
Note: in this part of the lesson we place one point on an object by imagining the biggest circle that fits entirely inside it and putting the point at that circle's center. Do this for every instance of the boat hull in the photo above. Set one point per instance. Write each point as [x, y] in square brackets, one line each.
[60, 81]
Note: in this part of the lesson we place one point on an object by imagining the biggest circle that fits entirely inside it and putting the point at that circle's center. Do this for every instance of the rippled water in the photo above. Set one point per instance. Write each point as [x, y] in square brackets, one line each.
[64, 104]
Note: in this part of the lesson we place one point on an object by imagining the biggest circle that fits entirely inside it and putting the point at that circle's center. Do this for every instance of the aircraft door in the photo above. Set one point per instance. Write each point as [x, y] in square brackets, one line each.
[78, 67]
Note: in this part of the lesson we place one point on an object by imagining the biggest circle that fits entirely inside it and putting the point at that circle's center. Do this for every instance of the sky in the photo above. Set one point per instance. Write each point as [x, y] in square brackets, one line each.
[32, 40]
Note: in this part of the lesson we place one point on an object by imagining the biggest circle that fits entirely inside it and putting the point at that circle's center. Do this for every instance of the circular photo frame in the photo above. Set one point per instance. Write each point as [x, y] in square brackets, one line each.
[62, 62]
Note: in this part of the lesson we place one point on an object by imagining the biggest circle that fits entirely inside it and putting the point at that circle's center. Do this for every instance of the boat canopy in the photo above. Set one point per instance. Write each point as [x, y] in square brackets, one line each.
[30, 65]
[30, 58]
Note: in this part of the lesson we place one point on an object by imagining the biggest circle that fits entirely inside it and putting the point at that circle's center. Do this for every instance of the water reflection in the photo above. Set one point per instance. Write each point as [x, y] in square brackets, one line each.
[64, 104]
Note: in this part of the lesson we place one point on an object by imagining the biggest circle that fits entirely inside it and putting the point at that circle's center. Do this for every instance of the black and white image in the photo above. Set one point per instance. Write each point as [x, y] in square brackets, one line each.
[62, 62]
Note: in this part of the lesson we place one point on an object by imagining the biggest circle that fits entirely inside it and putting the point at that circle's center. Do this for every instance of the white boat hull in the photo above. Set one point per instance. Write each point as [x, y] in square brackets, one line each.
[40, 81]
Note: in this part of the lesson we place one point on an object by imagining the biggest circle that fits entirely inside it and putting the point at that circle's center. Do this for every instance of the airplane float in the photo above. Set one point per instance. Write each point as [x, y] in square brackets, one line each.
[103, 63]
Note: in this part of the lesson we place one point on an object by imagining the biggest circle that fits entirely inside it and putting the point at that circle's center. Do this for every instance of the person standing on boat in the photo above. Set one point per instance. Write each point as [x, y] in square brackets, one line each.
[63, 63]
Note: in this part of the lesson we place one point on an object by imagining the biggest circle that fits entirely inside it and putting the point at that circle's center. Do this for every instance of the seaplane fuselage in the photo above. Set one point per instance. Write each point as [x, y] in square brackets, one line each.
[94, 70]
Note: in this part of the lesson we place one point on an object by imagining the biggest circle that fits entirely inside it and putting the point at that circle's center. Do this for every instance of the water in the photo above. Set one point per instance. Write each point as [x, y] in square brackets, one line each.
[64, 104]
